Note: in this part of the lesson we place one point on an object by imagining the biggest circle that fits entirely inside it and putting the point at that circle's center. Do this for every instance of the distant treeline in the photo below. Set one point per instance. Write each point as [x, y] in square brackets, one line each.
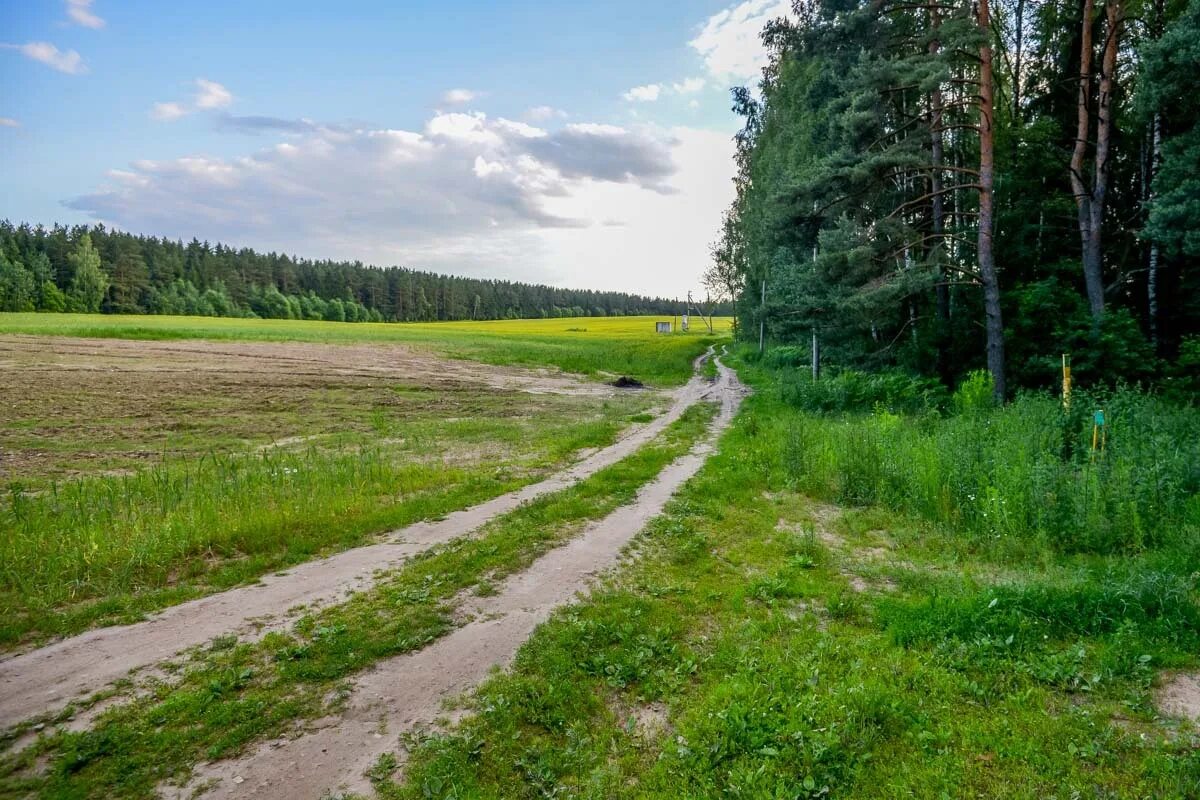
[95, 270]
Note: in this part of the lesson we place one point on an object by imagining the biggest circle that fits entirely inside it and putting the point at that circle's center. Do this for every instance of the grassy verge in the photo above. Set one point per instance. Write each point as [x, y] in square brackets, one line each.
[109, 548]
[770, 645]
[586, 345]
[232, 694]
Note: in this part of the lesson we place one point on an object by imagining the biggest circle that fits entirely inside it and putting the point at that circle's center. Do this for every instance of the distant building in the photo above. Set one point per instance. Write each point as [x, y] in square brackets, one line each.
[662, 327]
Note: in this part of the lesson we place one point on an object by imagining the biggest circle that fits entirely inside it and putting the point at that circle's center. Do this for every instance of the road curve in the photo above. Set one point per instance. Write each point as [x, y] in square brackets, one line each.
[47, 679]
[403, 692]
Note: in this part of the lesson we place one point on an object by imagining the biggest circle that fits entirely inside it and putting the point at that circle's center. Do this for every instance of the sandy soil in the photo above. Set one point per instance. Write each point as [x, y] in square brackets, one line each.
[1179, 696]
[403, 693]
[48, 678]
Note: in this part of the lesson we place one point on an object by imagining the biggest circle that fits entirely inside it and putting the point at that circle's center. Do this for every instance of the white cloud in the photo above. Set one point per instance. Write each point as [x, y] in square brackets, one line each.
[457, 97]
[69, 61]
[544, 113]
[649, 242]
[9, 122]
[688, 86]
[483, 168]
[468, 194]
[730, 40]
[167, 111]
[653, 91]
[211, 94]
[80, 12]
[469, 128]
[643, 94]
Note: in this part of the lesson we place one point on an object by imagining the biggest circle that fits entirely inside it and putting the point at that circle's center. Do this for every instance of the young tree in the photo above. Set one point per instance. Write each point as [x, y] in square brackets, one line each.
[90, 282]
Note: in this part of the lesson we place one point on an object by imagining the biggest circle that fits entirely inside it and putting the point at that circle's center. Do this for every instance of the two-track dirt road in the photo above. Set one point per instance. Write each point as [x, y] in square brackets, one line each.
[46, 679]
[396, 694]
[407, 691]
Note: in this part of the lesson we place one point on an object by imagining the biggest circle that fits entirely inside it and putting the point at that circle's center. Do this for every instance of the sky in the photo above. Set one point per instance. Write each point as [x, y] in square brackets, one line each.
[580, 144]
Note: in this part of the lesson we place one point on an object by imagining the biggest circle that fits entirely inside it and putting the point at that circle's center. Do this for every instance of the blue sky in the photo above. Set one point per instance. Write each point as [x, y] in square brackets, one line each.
[582, 144]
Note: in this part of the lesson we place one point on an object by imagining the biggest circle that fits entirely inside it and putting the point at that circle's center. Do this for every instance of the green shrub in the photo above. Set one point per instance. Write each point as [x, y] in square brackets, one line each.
[850, 390]
[1024, 471]
[975, 394]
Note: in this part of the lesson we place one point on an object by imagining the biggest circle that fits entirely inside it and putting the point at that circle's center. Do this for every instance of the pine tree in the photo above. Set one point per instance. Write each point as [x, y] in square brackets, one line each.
[17, 289]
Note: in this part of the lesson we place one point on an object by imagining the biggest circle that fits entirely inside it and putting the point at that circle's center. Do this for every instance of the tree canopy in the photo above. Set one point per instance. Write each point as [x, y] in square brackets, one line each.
[944, 186]
[99, 270]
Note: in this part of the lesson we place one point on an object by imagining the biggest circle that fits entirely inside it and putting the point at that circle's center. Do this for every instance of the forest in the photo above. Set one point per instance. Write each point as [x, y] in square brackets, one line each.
[96, 270]
[941, 187]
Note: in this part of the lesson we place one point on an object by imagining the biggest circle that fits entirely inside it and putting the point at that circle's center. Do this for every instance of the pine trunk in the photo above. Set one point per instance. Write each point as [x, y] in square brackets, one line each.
[937, 212]
[994, 324]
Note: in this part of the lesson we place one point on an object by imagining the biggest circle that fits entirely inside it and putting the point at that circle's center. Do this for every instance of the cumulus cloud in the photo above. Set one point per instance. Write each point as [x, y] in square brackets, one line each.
[457, 97]
[9, 122]
[688, 86]
[544, 113]
[67, 61]
[643, 94]
[730, 42]
[167, 111]
[468, 193]
[209, 96]
[653, 91]
[80, 12]
[648, 241]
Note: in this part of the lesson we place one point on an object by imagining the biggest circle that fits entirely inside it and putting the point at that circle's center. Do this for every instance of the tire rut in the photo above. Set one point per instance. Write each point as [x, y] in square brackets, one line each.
[400, 694]
[47, 679]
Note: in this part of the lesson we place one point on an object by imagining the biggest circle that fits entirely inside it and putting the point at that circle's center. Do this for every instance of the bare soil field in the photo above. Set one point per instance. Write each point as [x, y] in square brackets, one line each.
[72, 406]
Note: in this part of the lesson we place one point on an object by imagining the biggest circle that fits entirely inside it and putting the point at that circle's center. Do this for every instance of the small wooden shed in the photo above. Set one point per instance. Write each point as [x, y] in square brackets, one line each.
[662, 327]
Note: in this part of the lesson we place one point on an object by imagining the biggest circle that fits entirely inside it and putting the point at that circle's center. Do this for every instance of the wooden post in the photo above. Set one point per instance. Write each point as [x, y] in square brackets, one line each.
[1066, 367]
[762, 318]
[816, 356]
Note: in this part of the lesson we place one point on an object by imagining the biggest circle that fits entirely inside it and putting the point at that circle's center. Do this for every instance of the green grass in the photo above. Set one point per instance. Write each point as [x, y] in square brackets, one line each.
[588, 346]
[1019, 475]
[110, 548]
[778, 653]
[145, 486]
[232, 694]
[985, 614]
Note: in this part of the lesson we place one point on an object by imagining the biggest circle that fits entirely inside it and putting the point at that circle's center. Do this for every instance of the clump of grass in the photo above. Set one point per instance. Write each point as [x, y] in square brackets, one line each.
[850, 390]
[1158, 603]
[1024, 471]
[108, 548]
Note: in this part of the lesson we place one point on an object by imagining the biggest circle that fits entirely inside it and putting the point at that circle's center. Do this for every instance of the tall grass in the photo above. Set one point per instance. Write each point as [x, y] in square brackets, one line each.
[121, 539]
[1024, 470]
[108, 547]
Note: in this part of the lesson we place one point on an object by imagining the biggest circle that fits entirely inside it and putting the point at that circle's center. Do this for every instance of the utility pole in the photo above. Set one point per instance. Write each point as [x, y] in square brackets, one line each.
[762, 318]
[707, 320]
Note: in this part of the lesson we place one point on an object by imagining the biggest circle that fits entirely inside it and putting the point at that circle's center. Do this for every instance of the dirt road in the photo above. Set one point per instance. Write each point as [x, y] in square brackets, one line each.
[46, 679]
[403, 692]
